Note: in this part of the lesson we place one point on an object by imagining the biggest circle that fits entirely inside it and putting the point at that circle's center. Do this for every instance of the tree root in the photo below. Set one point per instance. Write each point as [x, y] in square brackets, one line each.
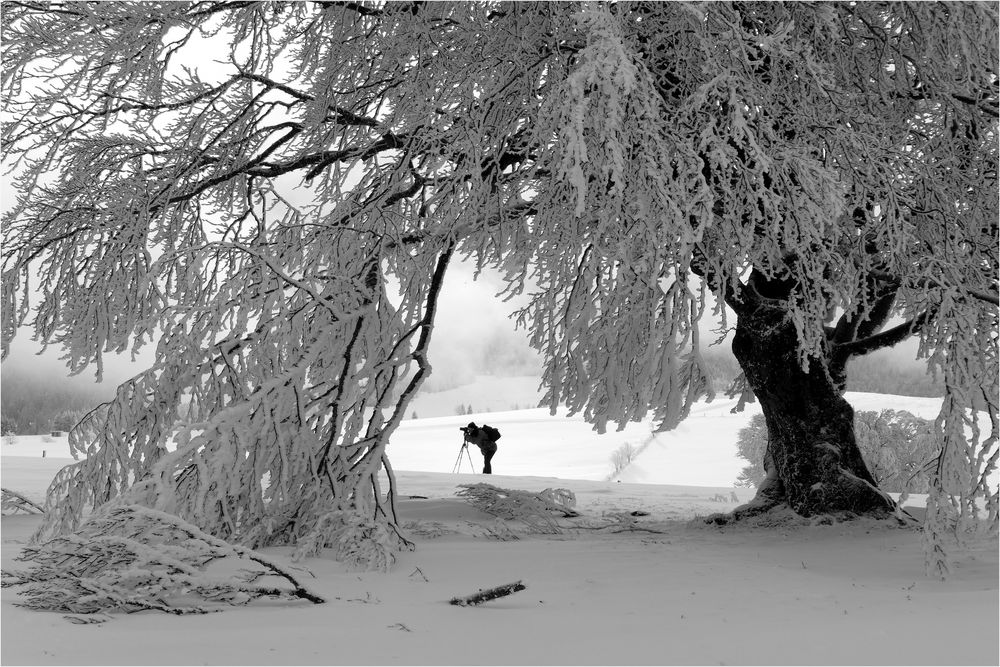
[771, 507]
[770, 495]
[753, 511]
[782, 514]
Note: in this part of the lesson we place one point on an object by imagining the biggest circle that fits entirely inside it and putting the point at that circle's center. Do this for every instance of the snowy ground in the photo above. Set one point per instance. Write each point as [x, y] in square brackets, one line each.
[664, 592]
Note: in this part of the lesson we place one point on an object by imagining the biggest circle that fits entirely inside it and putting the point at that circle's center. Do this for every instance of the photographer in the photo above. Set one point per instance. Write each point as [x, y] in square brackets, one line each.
[486, 439]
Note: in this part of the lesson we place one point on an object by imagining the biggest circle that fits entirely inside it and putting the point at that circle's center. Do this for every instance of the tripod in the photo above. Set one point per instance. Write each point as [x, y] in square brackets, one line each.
[458, 462]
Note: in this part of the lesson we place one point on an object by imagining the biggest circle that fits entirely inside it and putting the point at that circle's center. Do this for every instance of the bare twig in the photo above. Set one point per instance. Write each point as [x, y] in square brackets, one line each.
[12, 500]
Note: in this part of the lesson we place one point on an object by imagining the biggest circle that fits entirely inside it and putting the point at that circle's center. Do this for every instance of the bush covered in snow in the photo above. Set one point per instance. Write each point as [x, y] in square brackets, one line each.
[621, 457]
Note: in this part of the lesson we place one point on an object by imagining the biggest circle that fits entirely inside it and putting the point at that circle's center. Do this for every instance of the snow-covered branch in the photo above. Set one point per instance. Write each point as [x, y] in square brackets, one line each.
[281, 226]
[131, 558]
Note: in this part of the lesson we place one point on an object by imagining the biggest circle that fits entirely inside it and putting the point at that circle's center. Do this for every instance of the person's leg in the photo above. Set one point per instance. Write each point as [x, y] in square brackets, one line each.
[487, 468]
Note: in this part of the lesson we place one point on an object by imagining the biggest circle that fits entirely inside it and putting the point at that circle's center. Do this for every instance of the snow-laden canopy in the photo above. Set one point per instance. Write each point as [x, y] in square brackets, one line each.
[253, 212]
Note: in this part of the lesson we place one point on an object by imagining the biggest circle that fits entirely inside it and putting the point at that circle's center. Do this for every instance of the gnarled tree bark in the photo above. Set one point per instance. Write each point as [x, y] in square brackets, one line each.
[813, 464]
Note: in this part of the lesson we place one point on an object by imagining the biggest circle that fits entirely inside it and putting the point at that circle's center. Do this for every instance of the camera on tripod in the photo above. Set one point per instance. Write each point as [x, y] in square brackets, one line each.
[467, 431]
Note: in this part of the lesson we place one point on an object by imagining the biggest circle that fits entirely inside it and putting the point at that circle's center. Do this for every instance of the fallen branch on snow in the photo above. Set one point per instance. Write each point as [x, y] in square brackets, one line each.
[537, 510]
[132, 558]
[488, 594]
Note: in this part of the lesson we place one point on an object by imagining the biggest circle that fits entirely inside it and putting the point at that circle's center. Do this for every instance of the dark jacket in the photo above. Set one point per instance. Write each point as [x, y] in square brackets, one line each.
[486, 441]
[481, 439]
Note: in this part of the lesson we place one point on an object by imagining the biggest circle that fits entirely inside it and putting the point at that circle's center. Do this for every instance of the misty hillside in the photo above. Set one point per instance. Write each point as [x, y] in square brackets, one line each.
[879, 373]
[485, 393]
[483, 368]
[478, 360]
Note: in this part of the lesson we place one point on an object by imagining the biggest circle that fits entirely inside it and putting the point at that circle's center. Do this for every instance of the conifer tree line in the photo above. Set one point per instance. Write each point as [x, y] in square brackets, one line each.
[279, 226]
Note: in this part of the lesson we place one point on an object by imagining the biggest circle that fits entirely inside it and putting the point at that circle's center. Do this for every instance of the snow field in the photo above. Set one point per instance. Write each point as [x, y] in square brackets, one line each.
[848, 594]
[699, 452]
[665, 591]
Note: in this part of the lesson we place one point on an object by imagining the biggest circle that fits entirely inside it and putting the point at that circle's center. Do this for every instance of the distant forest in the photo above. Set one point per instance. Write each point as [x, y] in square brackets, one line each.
[31, 405]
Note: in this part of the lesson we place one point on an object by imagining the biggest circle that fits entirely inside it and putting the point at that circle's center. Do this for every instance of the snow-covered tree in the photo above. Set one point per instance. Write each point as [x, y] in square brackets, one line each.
[8, 426]
[830, 171]
[279, 219]
[622, 457]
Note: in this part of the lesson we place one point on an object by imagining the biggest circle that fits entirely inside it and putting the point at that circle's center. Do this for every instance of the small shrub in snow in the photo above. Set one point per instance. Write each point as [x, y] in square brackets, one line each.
[751, 443]
[537, 510]
[622, 457]
[132, 558]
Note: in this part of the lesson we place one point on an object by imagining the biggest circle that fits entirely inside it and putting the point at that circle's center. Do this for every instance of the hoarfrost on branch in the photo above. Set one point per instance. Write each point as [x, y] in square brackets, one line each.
[279, 224]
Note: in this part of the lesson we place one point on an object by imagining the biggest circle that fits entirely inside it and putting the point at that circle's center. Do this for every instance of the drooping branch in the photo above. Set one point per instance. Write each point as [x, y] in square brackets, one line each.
[867, 322]
[992, 298]
[14, 501]
[340, 115]
[888, 338]
[426, 327]
[732, 290]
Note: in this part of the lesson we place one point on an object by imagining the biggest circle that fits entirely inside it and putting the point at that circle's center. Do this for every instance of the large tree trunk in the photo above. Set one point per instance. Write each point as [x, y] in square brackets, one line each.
[813, 462]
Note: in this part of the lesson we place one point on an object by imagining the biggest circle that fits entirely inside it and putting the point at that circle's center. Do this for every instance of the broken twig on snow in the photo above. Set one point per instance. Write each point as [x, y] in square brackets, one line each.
[488, 594]
[14, 502]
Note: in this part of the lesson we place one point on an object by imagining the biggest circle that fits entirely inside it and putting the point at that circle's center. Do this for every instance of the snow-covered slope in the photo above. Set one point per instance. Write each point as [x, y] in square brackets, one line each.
[702, 449]
[699, 452]
[618, 588]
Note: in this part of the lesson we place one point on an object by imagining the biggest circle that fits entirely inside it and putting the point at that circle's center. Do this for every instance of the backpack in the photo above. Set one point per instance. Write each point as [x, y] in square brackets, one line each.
[494, 434]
